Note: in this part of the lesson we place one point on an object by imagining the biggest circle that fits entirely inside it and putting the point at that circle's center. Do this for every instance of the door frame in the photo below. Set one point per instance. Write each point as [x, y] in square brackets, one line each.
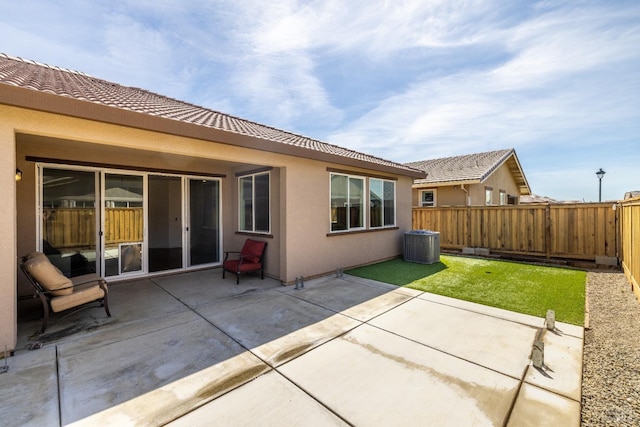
[99, 209]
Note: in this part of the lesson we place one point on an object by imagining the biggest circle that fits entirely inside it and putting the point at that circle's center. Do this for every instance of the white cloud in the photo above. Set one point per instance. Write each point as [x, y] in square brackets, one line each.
[556, 83]
[562, 43]
[399, 80]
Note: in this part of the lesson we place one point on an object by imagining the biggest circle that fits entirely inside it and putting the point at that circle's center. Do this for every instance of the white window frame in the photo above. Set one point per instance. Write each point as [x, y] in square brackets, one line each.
[503, 198]
[365, 202]
[488, 196]
[435, 198]
[395, 209]
[253, 203]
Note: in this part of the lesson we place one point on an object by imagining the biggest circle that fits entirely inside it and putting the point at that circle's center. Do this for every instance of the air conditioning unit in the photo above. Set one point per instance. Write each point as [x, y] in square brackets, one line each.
[422, 246]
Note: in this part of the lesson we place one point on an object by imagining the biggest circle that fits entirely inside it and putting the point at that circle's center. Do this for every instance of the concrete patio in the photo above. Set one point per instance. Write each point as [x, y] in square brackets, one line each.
[194, 349]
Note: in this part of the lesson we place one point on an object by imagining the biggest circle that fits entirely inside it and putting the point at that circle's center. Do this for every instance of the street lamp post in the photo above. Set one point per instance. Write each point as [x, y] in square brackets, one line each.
[600, 175]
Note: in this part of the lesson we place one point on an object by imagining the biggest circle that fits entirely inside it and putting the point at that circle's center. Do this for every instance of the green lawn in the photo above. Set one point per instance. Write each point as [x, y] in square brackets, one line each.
[525, 288]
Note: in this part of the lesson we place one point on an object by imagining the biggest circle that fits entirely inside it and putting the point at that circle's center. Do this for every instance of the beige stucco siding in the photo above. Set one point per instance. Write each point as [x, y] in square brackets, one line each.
[501, 179]
[445, 196]
[8, 256]
[311, 248]
[125, 147]
[299, 244]
[454, 195]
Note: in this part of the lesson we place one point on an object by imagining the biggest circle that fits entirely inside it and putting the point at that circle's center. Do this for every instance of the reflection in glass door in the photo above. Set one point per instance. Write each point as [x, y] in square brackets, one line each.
[204, 221]
[165, 223]
[118, 224]
[123, 229]
[68, 227]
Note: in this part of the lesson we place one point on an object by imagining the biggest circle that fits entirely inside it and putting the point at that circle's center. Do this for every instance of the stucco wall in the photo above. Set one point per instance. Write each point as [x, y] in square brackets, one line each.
[453, 195]
[311, 248]
[299, 245]
[43, 135]
[8, 257]
[501, 179]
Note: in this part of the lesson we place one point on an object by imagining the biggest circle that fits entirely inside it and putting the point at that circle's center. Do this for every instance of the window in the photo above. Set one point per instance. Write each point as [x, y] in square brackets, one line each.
[254, 215]
[488, 191]
[347, 202]
[503, 198]
[382, 201]
[428, 198]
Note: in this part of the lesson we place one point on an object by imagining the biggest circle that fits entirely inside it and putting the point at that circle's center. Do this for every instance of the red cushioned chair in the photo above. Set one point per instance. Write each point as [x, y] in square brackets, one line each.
[250, 259]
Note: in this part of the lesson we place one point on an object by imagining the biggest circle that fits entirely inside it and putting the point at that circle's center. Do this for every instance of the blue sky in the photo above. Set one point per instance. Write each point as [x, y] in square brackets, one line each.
[559, 81]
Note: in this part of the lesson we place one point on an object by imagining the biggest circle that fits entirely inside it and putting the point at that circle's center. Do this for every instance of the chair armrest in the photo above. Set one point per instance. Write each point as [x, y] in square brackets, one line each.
[226, 254]
[86, 282]
[46, 291]
[90, 279]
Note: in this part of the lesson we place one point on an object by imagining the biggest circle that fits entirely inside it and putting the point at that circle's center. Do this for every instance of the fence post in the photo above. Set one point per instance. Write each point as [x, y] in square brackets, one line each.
[468, 226]
[547, 231]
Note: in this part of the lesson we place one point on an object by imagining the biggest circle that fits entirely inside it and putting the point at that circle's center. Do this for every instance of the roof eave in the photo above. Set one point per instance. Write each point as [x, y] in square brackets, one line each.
[525, 190]
[445, 183]
[523, 186]
[57, 104]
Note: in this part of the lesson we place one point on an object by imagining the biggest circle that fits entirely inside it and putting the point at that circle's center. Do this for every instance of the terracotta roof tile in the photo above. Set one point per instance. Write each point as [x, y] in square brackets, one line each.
[80, 86]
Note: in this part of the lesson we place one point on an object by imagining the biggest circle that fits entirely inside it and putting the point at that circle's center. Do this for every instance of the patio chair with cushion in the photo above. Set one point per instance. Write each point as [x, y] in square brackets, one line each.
[58, 292]
[249, 259]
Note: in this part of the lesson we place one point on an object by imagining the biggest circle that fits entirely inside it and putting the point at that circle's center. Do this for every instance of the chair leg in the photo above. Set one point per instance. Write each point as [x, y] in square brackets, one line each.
[106, 306]
[105, 301]
[45, 321]
[223, 271]
[238, 279]
[261, 274]
[45, 313]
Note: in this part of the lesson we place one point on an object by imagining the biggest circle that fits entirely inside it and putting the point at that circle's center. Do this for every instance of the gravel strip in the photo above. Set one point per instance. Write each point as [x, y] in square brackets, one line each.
[611, 364]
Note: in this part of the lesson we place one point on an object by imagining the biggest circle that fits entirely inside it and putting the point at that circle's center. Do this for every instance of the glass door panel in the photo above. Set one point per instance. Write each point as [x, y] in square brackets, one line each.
[165, 223]
[123, 230]
[68, 228]
[204, 221]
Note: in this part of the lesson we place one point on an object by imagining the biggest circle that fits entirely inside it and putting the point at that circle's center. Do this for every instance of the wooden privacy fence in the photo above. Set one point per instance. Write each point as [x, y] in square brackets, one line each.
[576, 231]
[76, 227]
[630, 241]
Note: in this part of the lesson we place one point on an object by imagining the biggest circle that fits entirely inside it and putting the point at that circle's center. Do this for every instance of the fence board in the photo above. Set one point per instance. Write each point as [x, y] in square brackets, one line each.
[75, 227]
[578, 231]
[630, 242]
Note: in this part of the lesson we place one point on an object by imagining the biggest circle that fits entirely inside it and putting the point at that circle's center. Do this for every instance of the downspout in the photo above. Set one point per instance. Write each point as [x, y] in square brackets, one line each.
[466, 199]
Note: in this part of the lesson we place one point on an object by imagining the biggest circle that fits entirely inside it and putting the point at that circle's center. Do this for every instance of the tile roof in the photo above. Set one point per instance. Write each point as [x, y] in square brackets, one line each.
[80, 86]
[471, 168]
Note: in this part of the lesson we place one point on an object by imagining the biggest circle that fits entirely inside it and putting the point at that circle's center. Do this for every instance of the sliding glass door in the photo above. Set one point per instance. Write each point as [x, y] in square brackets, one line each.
[123, 223]
[165, 223]
[69, 219]
[123, 227]
[204, 221]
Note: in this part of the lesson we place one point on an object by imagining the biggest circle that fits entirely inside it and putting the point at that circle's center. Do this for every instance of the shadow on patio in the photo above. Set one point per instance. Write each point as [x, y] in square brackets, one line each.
[194, 326]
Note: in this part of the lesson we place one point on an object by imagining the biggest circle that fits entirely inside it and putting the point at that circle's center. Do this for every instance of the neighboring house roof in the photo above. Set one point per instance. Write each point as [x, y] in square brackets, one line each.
[534, 198]
[470, 169]
[96, 99]
[631, 194]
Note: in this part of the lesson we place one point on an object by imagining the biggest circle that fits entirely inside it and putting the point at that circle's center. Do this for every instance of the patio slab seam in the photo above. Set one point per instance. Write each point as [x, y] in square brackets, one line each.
[342, 312]
[194, 310]
[58, 385]
[527, 392]
[451, 354]
[251, 350]
[515, 398]
[307, 392]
